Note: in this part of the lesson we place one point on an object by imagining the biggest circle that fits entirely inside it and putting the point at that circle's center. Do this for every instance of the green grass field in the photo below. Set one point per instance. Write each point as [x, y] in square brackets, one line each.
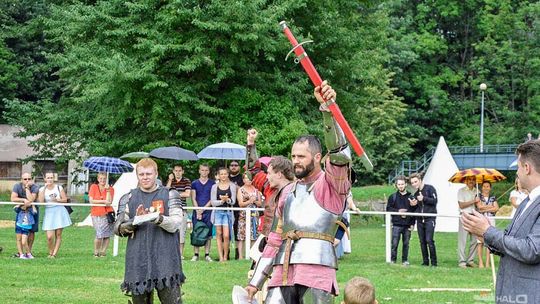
[77, 277]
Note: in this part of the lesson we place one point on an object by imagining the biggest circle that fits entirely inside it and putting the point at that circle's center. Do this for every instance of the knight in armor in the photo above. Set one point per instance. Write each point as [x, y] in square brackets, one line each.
[299, 258]
[153, 252]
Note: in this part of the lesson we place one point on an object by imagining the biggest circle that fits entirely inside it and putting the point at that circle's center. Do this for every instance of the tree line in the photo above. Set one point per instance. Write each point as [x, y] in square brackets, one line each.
[116, 76]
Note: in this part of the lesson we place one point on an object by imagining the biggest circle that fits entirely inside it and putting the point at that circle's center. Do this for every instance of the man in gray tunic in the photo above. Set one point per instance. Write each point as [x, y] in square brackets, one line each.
[152, 254]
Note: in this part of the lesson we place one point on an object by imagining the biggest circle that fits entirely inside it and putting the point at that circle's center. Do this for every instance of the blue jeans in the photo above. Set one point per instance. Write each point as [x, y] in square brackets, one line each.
[404, 233]
[223, 218]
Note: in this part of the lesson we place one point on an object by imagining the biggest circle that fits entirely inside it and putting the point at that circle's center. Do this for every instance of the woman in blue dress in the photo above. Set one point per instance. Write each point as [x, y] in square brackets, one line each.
[56, 216]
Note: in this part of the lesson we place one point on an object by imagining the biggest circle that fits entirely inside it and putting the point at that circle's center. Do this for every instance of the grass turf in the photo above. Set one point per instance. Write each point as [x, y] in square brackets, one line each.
[77, 277]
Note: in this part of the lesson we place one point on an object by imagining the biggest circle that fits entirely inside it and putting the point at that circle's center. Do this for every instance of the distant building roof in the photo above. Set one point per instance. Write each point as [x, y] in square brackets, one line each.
[13, 148]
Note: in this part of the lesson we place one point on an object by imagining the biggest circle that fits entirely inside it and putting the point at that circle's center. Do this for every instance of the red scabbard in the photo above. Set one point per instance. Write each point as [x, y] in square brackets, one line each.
[308, 66]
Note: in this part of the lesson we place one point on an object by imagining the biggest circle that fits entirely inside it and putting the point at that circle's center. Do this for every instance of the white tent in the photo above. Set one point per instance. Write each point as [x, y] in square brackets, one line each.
[441, 168]
[123, 185]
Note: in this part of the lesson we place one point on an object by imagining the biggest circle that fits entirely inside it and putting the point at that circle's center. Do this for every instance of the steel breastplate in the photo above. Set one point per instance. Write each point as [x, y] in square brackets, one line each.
[301, 212]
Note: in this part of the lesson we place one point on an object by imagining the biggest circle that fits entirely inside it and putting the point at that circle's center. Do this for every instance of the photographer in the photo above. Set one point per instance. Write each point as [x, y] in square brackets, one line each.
[401, 225]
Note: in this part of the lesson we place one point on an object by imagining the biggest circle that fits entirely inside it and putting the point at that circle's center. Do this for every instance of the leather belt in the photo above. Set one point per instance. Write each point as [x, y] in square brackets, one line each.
[295, 235]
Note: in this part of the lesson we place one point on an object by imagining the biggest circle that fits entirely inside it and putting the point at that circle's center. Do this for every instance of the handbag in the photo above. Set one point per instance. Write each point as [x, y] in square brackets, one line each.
[111, 218]
[68, 208]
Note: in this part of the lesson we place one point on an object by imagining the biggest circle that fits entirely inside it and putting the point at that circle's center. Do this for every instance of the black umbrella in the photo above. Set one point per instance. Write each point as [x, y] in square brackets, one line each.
[174, 153]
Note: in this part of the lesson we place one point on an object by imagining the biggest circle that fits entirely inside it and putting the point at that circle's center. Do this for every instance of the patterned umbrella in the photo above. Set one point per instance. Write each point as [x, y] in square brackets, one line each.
[107, 164]
[481, 174]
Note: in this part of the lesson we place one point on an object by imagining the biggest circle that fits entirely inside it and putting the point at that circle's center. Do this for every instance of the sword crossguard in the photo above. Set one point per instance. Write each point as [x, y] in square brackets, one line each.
[300, 57]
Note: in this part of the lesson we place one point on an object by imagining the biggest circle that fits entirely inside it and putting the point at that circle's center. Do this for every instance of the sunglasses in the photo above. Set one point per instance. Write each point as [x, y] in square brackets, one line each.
[27, 178]
[233, 165]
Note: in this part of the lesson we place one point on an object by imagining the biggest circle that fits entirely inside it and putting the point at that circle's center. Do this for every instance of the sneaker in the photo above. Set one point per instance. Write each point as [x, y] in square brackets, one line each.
[15, 255]
[462, 265]
[406, 263]
[183, 258]
[208, 258]
[23, 257]
[392, 262]
[472, 265]
[195, 258]
[29, 256]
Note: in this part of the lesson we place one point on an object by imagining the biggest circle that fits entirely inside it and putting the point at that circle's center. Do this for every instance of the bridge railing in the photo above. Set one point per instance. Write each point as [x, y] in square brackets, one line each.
[508, 148]
[407, 167]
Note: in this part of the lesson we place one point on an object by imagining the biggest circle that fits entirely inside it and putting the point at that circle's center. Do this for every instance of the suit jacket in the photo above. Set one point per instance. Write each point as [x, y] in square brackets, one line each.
[518, 278]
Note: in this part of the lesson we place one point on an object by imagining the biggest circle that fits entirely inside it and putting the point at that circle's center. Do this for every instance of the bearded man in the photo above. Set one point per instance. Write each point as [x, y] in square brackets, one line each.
[299, 255]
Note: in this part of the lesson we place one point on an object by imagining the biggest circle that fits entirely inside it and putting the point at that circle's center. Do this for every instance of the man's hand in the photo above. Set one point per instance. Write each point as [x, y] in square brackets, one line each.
[251, 291]
[402, 210]
[420, 197]
[27, 203]
[171, 177]
[127, 227]
[324, 92]
[413, 202]
[251, 136]
[475, 223]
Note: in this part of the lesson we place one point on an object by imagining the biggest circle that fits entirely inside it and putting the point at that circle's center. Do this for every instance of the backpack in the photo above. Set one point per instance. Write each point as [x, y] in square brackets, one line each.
[199, 235]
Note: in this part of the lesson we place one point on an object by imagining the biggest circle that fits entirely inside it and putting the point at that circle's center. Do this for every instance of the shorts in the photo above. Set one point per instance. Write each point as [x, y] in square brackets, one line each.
[183, 228]
[223, 218]
[19, 230]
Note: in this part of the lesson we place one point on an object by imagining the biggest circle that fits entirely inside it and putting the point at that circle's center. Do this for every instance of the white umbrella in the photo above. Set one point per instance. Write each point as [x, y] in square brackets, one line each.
[224, 150]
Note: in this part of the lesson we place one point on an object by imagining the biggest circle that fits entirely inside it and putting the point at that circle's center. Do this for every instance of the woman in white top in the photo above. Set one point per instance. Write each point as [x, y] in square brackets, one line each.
[517, 196]
[56, 216]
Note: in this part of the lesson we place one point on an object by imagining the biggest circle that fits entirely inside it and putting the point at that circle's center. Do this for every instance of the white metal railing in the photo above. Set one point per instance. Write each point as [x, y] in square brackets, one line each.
[247, 245]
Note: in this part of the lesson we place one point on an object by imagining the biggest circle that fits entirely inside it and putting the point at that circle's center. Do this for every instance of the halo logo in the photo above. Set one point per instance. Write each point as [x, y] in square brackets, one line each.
[517, 299]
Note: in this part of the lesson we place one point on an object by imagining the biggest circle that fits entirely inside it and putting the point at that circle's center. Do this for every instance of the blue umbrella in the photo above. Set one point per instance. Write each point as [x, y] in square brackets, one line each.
[107, 164]
[225, 150]
[174, 153]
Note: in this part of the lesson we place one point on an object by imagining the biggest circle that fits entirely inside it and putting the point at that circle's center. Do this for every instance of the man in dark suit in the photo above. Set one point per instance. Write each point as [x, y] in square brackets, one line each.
[518, 278]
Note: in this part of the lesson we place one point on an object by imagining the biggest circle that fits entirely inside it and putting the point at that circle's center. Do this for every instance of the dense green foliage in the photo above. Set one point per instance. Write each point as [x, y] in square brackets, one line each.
[110, 77]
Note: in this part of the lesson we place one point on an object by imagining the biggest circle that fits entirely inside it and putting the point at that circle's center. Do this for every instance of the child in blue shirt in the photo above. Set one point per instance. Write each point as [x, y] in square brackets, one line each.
[23, 225]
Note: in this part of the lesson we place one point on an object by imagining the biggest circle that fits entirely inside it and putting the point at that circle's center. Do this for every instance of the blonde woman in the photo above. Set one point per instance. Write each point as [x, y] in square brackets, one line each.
[517, 196]
[102, 194]
[56, 216]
